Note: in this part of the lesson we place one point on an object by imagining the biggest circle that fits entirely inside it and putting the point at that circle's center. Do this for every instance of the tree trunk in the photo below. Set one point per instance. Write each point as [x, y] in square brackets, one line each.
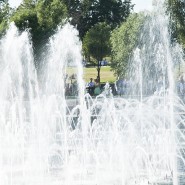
[98, 77]
[98, 70]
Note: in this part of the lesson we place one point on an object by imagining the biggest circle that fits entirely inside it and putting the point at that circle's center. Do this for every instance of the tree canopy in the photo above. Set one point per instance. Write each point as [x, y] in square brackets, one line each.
[176, 8]
[85, 14]
[113, 12]
[45, 15]
[42, 18]
[5, 12]
[123, 40]
[50, 13]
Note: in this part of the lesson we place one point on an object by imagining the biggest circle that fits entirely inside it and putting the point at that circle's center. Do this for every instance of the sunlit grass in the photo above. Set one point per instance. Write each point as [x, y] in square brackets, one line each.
[106, 74]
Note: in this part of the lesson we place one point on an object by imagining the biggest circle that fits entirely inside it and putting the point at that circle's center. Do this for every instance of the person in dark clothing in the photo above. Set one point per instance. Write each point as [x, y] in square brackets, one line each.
[91, 86]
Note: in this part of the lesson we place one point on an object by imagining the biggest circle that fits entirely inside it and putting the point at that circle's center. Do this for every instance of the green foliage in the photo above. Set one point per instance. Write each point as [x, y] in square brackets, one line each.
[41, 17]
[50, 13]
[72, 6]
[123, 40]
[3, 1]
[97, 41]
[5, 12]
[87, 13]
[176, 8]
[26, 17]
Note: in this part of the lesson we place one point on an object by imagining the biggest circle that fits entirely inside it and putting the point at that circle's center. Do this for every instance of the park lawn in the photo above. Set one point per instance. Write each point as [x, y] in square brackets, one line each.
[106, 75]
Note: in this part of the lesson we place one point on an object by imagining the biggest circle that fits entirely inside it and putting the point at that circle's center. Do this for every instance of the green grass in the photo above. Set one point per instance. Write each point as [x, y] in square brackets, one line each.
[106, 74]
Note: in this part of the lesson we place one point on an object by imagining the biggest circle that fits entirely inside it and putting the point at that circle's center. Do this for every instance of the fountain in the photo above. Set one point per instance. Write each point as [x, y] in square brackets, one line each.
[103, 141]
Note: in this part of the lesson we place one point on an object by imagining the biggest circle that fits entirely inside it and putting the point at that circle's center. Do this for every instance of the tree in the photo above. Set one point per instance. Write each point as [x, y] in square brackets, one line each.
[97, 43]
[5, 13]
[87, 13]
[50, 13]
[176, 8]
[123, 40]
[74, 10]
[42, 17]
[25, 17]
[3, 1]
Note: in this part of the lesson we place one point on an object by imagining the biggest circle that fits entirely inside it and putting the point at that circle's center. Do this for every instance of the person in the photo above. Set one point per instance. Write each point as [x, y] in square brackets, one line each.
[105, 62]
[91, 86]
[118, 86]
[124, 86]
[97, 89]
[67, 89]
[74, 88]
[102, 63]
[181, 87]
[84, 63]
[121, 85]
